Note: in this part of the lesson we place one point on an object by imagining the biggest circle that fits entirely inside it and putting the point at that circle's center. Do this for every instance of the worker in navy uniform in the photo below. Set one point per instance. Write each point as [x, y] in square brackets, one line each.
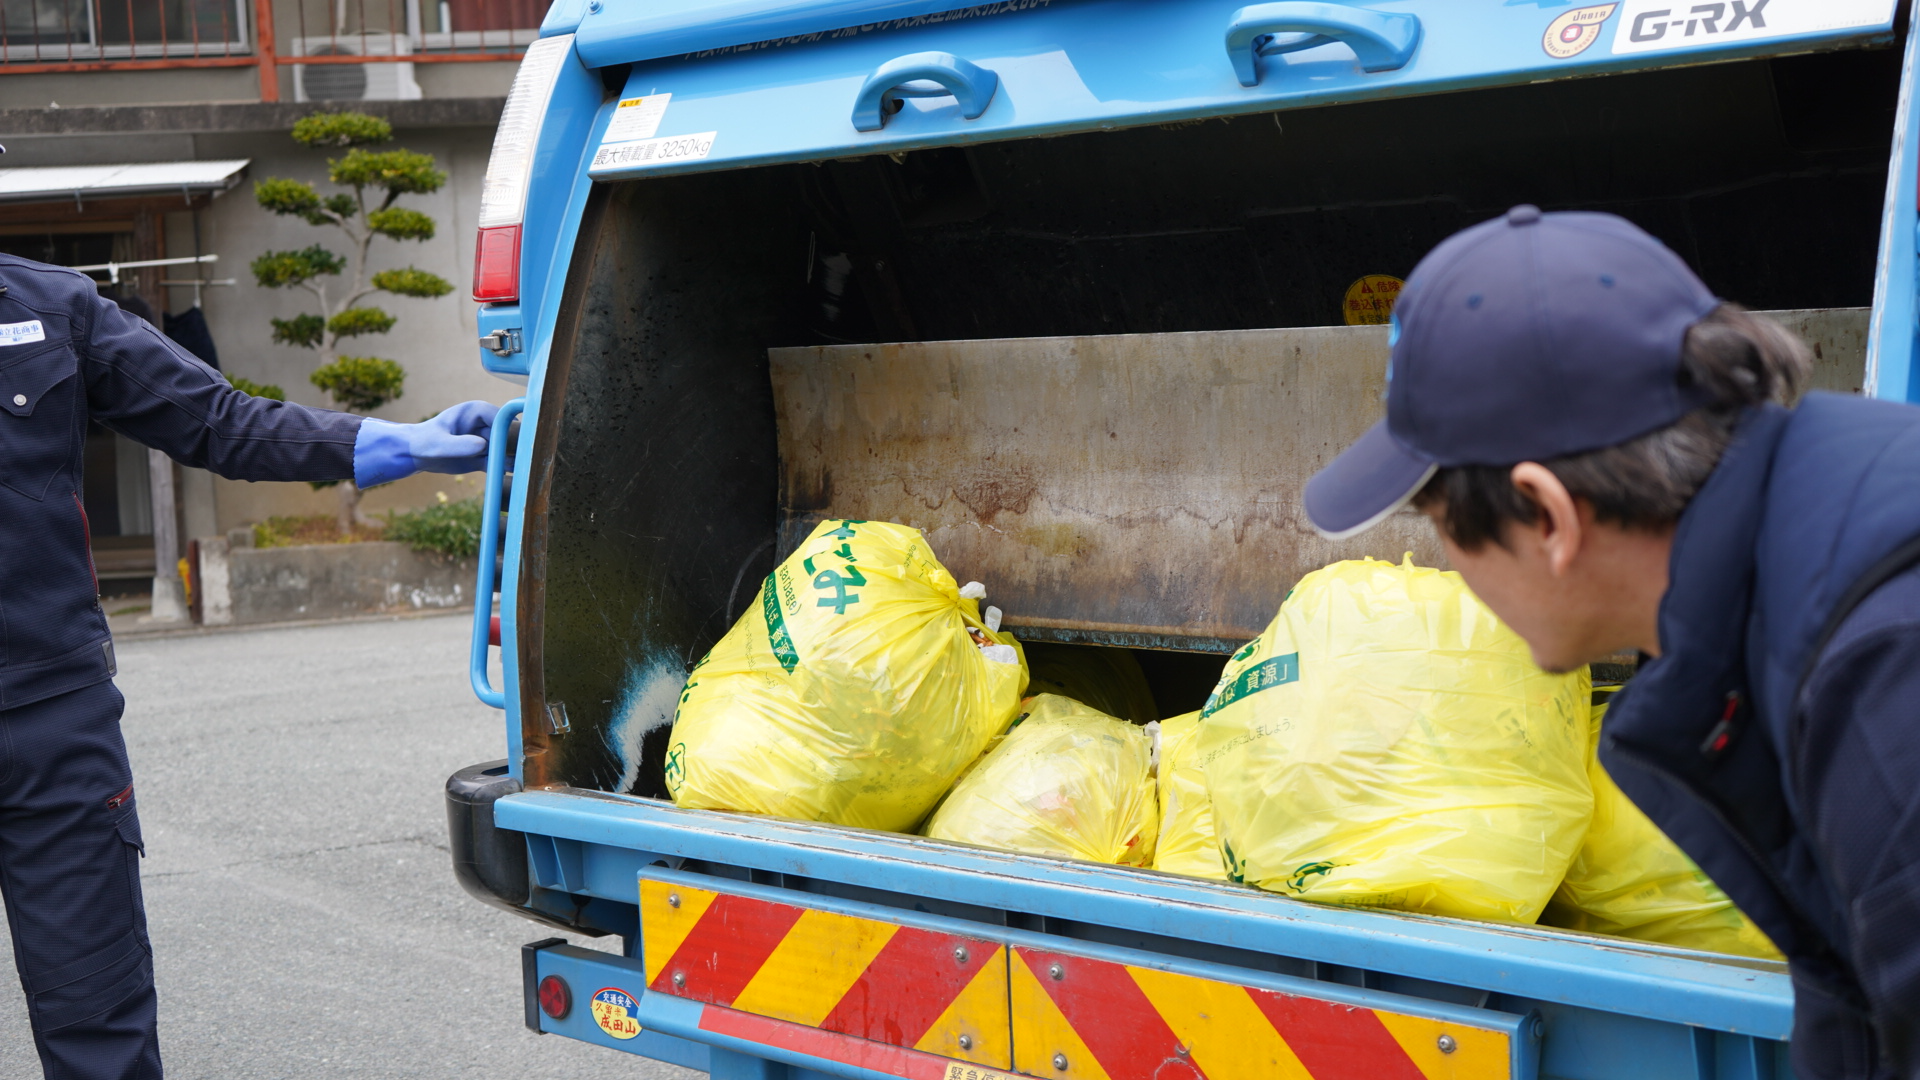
[69, 819]
[1616, 460]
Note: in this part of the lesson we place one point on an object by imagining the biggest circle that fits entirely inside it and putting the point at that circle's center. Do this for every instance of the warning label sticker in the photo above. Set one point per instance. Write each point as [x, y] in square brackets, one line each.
[1654, 25]
[1369, 301]
[665, 151]
[616, 1012]
[636, 118]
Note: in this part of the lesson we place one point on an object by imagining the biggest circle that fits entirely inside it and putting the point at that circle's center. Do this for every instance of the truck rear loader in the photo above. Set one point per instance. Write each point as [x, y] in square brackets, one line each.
[1084, 290]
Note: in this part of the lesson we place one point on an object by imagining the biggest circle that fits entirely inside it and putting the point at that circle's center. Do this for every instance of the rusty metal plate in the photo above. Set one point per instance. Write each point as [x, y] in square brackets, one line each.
[1143, 484]
[1838, 338]
[1130, 488]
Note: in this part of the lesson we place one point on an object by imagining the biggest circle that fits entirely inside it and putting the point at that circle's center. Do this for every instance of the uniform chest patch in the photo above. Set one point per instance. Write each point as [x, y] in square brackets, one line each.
[21, 333]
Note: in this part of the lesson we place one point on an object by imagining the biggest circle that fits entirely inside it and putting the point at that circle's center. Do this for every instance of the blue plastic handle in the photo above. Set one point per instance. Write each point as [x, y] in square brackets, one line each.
[1382, 40]
[490, 555]
[907, 76]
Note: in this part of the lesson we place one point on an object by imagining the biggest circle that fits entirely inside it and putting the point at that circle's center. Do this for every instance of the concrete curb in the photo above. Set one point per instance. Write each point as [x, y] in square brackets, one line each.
[209, 631]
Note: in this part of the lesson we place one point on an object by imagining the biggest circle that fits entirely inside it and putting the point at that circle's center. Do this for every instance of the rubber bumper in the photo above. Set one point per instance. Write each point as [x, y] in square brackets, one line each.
[490, 863]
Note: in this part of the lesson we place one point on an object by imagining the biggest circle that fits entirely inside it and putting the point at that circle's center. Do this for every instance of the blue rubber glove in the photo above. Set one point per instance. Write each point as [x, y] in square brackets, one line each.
[453, 442]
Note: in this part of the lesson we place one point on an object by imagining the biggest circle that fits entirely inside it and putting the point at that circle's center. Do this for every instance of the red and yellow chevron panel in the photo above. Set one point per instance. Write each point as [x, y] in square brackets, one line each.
[1081, 1019]
[941, 994]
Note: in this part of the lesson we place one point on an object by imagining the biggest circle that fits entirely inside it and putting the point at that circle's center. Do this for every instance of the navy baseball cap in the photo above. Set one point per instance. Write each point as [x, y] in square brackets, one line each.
[1528, 337]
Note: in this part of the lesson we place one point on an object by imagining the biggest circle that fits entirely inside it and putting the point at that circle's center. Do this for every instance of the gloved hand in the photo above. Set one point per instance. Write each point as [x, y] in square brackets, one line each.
[453, 442]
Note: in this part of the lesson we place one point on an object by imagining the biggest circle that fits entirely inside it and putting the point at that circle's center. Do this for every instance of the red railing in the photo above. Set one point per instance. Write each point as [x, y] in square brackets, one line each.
[118, 35]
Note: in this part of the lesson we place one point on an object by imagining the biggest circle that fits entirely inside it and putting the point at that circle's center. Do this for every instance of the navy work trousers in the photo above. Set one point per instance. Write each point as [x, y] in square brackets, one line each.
[70, 869]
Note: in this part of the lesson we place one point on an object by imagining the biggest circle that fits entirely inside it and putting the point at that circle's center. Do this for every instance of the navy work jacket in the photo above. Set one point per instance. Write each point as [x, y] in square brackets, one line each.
[1777, 737]
[67, 354]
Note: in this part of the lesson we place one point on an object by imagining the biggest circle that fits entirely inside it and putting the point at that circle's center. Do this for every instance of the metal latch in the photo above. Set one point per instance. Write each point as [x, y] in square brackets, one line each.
[501, 342]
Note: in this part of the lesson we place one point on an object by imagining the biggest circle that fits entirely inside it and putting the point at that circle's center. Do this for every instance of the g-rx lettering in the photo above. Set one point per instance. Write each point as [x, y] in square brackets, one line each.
[1703, 19]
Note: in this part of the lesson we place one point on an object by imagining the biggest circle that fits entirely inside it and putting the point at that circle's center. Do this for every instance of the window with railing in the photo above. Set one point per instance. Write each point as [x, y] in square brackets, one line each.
[79, 35]
[42, 31]
[410, 27]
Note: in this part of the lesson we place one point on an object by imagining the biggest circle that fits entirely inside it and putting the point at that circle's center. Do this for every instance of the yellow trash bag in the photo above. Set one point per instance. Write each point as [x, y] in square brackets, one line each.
[1629, 880]
[1387, 742]
[853, 691]
[1187, 843]
[1067, 780]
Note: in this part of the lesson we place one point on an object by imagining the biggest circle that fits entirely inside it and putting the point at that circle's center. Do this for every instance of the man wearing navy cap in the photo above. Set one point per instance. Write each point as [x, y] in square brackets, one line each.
[69, 831]
[1613, 461]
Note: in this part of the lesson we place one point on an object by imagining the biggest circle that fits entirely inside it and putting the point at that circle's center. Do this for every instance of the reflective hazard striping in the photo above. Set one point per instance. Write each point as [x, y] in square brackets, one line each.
[937, 993]
[1083, 1019]
[831, 1046]
[918, 1003]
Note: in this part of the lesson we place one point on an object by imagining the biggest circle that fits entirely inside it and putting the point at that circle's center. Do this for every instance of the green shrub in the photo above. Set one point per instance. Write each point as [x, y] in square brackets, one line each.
[302, 330]
[303, 529]
[288, 197]
[412, 282]
[401, 223]
[398, 171]
[359, 320]
[360, 383]
[451, 528]
[341, 129]
[280, 269]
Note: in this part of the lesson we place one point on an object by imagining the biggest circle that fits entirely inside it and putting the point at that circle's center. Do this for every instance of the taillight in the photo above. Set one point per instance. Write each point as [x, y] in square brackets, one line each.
[556, 998]
[503, 198]
[496, 264]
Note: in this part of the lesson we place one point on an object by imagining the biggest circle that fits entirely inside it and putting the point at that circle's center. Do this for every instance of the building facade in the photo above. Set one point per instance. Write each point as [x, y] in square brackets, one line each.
[135, 130]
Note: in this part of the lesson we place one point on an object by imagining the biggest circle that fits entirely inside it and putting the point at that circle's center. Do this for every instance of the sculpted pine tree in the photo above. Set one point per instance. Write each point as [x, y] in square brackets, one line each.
[365, 211]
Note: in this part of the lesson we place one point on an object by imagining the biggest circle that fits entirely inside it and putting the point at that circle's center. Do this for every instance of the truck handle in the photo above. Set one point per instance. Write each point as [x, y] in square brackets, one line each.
[925, 74]
[489, 560]
[1382, 40]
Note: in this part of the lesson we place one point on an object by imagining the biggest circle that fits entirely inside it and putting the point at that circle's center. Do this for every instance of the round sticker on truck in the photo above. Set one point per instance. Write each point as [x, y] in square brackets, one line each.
[1369, 301]
[616, 1012]
[1575, 31]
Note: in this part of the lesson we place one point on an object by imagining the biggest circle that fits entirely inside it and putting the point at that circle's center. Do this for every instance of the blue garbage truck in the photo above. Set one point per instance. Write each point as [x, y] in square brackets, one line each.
[1084, 290]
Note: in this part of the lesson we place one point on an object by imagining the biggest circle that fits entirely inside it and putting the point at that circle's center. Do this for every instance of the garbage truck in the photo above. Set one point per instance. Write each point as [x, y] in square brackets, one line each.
[1084, 290]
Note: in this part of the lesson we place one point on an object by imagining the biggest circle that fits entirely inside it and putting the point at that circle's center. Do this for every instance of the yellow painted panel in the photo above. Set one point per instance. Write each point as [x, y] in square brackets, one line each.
[1227, 1034]
[980, 1013]
[813, 966]
[1040, 1030]
[1479, 1054]
[663, 926]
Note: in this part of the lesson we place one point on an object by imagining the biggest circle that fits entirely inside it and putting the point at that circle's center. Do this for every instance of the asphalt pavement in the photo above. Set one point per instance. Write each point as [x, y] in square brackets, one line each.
[304, 916]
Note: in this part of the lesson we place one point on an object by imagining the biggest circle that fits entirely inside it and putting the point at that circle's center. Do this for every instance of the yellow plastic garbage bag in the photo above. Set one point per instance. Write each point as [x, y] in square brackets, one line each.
[1629, 880]
[1067, 781]
[1187, 842]
[1387, 742]
[854, 690]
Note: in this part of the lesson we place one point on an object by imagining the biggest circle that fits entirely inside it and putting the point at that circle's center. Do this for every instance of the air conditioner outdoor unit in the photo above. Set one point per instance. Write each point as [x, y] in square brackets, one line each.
[355, 82]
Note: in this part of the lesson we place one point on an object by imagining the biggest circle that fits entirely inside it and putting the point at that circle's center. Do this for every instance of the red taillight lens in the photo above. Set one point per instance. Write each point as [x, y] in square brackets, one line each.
[496, 265]
[556, 999]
